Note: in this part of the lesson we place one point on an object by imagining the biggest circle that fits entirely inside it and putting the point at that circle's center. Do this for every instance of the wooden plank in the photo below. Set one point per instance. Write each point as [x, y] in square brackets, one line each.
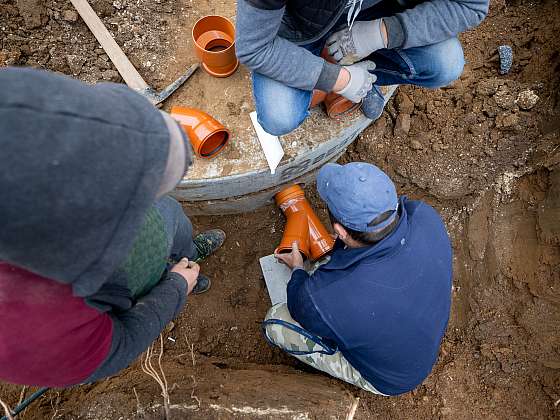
[117, 56]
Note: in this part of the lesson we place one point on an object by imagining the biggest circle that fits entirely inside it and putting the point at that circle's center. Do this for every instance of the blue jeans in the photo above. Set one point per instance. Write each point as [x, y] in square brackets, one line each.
[281, 109]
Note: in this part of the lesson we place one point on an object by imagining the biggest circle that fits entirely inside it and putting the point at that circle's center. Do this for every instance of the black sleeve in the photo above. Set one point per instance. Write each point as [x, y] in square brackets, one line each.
[135, 329]
[267, 4]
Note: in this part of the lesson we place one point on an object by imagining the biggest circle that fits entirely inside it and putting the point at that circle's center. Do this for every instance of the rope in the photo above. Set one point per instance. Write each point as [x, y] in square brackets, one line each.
[296, 328]
[25, 403]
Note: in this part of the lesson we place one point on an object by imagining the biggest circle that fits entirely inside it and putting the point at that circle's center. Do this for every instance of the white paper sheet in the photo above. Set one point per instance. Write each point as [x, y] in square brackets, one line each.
[276, 275]
[270, 144]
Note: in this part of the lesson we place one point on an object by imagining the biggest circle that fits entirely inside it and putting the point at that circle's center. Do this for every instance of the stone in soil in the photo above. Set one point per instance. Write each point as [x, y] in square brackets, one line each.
[75, 63]
[402, 125]
[527, 99]
[404, 104]
[70, 16]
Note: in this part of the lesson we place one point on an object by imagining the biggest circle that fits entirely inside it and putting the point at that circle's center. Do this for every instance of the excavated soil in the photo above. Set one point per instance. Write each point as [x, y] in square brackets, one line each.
[484, 151]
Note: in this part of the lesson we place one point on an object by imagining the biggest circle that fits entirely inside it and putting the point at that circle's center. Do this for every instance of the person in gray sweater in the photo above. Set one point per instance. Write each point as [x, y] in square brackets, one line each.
[371, 43]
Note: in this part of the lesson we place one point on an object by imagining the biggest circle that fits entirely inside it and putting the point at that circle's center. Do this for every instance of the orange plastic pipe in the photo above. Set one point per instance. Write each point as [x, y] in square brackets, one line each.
[208, 137]
[296, 230]
[214, 44]
[291, 201]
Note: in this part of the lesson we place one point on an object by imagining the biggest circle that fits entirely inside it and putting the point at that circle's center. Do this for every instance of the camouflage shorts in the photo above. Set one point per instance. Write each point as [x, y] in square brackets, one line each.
[292, 341]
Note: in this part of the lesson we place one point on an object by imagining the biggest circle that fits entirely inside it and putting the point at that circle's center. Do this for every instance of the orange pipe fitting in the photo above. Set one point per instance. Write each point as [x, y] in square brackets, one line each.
[296, 230]
[292, 202]
[317, 98]
[336, 105]
[214, 44]
[208, 137]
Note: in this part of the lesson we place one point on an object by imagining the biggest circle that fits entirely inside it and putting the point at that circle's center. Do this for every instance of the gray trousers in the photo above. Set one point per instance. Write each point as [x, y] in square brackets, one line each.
[178, 229]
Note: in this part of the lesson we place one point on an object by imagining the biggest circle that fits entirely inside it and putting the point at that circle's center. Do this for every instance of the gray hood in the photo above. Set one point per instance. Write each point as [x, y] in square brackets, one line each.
[80, 167]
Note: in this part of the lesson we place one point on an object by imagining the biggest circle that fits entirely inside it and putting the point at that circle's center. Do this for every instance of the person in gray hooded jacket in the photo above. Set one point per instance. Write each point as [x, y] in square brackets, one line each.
[371, 43]
[95, 259]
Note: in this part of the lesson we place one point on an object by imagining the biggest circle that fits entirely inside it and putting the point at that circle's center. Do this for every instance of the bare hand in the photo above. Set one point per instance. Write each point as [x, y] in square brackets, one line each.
[189, 270]
[293, 259]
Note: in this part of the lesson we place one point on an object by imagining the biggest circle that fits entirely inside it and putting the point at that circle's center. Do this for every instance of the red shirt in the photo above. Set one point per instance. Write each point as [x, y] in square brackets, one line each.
[48, 337]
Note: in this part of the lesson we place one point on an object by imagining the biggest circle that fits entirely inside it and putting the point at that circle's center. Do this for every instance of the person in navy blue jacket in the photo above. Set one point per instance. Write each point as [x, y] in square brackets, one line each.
[375, 314]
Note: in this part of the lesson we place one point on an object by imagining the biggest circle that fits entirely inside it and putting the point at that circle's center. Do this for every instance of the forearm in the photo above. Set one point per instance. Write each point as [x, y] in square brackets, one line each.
[302, 307]
[134, 330]
[260, 48]
[433, 21]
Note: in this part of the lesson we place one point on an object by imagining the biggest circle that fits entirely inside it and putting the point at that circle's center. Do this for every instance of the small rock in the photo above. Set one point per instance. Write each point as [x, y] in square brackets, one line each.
[527, 99]
[430, 108]
[507, 120]
[416, 145]
[111, 75]
[476, 129]
[404, 104]
[420, 103]
[33, 12]
[419, 141]
[70, 16]
[488, 87]
[437, 147]
[75, 63]
[102, 64]
[504, 99]
[402, 125]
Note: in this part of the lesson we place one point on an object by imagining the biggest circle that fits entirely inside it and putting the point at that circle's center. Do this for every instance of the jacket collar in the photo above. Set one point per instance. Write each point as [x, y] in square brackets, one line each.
[343, 258]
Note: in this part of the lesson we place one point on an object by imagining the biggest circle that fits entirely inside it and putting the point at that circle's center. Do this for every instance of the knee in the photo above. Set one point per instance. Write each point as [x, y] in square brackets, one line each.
[279, 311]
[280, 121]
[280, 108]
[448, 62]
[273, 331]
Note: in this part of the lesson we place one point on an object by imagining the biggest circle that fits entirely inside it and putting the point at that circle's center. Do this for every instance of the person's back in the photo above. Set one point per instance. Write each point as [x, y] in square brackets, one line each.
[388, 304]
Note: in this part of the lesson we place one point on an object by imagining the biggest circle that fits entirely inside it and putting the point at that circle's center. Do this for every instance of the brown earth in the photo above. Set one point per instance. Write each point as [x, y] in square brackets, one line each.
[481, 151]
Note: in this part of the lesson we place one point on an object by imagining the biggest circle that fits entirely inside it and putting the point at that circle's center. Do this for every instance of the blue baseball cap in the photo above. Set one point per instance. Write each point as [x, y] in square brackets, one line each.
[359, 195]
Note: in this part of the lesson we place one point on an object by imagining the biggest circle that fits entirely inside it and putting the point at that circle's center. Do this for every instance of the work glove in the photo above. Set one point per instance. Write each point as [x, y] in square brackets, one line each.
[361, 81]
[351, 45]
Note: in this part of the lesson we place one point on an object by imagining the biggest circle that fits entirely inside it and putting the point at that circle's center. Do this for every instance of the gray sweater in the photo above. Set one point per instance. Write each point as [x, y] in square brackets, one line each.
[261, 49]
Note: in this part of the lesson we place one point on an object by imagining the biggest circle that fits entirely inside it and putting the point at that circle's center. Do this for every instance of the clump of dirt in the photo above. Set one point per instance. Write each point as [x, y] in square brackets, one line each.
[485, 152]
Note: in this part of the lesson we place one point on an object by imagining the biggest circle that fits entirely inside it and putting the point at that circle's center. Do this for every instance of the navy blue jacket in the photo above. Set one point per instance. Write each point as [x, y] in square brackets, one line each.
[386, 306]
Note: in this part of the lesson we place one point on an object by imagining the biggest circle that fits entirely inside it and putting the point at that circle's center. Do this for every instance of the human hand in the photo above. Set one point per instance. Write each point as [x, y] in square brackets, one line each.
[349, 46]
[361, 81]
[189, 271]
[293, 259]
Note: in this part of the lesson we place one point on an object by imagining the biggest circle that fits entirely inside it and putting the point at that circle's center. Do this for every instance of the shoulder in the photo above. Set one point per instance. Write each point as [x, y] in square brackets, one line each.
[418, 211]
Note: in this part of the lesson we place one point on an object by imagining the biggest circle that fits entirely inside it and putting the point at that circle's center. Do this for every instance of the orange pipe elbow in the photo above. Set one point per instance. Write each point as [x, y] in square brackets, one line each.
[208, 136]
[293, 203]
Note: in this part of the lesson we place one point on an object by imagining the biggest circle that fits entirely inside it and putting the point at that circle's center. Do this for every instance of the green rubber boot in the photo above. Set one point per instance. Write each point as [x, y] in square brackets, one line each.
[202, 285]
[206, 243]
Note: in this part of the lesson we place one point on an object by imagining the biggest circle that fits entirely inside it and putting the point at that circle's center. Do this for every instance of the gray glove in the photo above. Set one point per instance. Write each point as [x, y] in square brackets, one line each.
[351, 45]
[361, 81]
